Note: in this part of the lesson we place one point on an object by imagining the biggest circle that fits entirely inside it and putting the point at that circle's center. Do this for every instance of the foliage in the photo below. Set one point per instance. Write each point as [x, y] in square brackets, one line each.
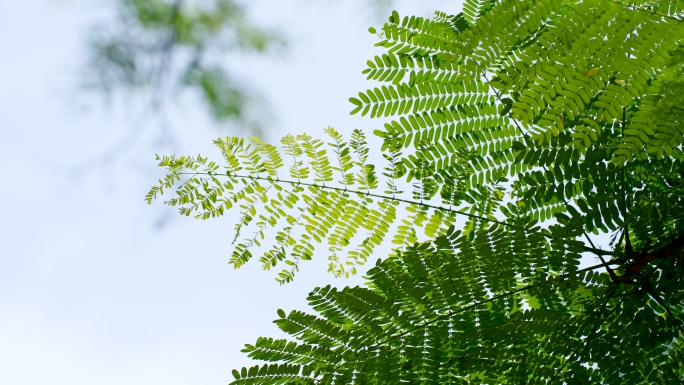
[333, 197]
[177, 45]
[173, 45]
[541, 124]
[429, 317]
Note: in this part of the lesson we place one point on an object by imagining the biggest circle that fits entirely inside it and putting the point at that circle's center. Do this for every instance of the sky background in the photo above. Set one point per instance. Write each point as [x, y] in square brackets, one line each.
[92, 290]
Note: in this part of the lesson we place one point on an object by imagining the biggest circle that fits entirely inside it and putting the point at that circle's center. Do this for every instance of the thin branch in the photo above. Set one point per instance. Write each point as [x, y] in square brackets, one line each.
[646, 285]
[156, 107]
[494, 298]
[594, 250]
[498, 96]
[629, 250]
[612, 274]
[344, 190]
[599, 253]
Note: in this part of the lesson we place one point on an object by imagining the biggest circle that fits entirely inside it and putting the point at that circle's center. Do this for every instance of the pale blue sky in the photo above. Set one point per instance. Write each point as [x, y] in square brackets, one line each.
[90, 292]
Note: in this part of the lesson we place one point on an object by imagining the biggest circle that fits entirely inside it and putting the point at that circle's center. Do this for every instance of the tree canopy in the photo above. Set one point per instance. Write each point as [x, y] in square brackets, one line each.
[517, 132]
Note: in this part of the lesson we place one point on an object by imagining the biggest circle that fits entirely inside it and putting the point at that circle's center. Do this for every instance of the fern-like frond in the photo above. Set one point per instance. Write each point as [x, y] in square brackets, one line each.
[572, 81]
[427, 318]
[332, 198]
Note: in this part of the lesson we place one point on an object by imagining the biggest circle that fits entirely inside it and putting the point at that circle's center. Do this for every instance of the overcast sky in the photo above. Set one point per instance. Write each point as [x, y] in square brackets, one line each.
[91, 290]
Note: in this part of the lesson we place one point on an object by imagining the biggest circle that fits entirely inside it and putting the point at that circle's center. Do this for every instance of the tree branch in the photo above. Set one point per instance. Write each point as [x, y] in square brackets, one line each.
[643, 260]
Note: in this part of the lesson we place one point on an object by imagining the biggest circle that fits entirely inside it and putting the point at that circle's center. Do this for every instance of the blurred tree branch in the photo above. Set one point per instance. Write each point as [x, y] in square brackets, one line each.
[177, 45]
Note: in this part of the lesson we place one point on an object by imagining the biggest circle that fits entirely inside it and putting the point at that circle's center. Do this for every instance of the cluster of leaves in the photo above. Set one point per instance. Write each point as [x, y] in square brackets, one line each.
[337, 197]
[543, 123]
[425, 320]
[177, 43]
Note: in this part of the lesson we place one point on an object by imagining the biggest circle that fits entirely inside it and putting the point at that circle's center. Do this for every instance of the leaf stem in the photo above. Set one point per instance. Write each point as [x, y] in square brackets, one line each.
[369, 194]
[498, 97]
[634, 8]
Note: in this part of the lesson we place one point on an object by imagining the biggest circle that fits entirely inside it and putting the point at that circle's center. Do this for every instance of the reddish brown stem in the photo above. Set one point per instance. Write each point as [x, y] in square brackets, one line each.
[642, 260]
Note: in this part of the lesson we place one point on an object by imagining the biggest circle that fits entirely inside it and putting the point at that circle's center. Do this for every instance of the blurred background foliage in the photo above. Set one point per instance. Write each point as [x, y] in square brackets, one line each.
[166, 47]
